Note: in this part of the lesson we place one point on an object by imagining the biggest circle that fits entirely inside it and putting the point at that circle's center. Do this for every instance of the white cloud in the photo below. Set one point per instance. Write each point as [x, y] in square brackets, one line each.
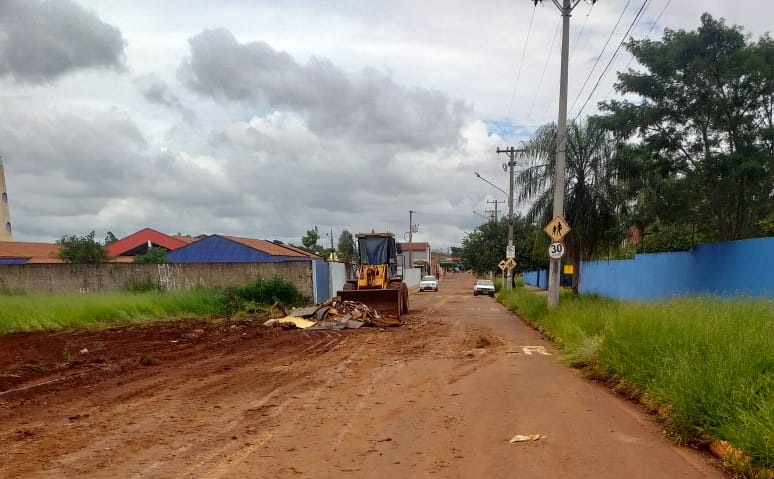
[266, 118]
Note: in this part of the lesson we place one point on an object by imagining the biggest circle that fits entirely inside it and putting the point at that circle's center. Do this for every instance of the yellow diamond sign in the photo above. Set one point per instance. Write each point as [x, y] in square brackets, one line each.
[510, 264]
[502, 264]
[557, 228]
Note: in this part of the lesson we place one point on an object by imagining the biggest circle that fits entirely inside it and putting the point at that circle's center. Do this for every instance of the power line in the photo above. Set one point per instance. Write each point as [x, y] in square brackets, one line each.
[521, 63]
[620, 44]
[596, 62]
[582, 28]
[545, 66]
[647, 35]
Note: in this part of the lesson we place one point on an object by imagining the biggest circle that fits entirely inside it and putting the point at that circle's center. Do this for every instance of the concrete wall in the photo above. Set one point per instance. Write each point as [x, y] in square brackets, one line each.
[69, 278]
[337, 277]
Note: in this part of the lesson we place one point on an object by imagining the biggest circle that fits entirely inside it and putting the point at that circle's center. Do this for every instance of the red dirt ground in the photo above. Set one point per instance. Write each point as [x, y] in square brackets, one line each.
[438, 397]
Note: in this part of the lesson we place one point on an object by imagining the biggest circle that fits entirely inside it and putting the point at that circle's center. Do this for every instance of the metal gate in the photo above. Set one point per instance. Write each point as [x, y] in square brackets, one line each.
[320, 281]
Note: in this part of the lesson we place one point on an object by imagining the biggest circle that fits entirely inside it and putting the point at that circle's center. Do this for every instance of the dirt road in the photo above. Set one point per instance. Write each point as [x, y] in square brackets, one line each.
[439, 397]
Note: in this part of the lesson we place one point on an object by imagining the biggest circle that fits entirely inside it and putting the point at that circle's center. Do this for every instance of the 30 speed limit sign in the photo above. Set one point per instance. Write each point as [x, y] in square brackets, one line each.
[556, 250]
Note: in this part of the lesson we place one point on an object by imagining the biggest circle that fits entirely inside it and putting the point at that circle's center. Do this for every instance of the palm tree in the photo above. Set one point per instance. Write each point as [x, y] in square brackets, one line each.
[593, 199]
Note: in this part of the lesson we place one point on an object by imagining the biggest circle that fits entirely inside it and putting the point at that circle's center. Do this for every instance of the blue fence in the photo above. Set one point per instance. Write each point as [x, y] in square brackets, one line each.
[320, 281]
[733, 268]
[538, 277]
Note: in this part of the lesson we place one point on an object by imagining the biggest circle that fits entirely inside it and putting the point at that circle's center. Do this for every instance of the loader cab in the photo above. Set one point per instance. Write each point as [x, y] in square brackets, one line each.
[378, 249]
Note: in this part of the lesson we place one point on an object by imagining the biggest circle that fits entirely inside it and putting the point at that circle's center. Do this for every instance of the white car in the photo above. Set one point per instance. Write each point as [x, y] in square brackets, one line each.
[484, 286]
[428, 283]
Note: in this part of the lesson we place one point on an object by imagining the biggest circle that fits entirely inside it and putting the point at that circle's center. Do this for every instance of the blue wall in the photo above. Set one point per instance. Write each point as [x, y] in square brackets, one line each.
[215, 249]
[733, 268]
[538, 277]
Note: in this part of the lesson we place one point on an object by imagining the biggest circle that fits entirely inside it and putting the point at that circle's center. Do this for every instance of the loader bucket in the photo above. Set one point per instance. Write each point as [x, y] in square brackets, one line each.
[386, 301]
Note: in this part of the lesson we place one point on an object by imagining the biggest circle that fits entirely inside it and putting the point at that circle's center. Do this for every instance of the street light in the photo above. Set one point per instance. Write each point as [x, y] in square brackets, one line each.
[482, 178]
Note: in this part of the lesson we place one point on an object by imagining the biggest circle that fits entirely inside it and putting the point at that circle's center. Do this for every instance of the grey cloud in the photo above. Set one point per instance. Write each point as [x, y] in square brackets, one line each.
[43, 40]
[157, 91]
[369, 106]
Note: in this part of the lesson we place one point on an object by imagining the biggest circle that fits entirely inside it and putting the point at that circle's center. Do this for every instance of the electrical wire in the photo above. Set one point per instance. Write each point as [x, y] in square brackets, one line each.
[647, 36]
[620, 44]
[542, 75]
[521, 63]
[596, 62]
[582, 29]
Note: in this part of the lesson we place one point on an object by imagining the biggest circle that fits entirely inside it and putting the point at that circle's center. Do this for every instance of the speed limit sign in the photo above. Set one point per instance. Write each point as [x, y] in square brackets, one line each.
[556, 250]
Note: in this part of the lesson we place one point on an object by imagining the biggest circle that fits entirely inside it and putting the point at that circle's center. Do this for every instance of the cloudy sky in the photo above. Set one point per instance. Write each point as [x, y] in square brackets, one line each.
[263, 119]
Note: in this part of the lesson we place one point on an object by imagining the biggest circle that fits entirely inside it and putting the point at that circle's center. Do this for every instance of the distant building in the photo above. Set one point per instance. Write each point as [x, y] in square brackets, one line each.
[138, 243]
[233, 249]
[6, 233]
[15, 252]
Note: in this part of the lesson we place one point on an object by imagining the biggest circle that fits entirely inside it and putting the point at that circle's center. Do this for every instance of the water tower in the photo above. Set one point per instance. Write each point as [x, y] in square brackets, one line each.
[6, 233]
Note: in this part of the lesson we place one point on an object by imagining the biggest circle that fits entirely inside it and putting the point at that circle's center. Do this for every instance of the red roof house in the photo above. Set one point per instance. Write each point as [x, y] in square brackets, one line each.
[139, 242]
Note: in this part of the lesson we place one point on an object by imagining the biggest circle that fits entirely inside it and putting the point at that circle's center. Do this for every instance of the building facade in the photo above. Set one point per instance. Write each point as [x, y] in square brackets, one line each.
[6, 232]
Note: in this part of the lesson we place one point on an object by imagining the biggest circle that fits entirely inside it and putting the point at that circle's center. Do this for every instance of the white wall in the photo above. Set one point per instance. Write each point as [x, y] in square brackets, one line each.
[337, 274]
[412, 277]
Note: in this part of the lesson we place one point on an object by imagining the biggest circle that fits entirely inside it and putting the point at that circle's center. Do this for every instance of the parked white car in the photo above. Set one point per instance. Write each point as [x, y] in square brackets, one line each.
[428, 283]
[484, 286]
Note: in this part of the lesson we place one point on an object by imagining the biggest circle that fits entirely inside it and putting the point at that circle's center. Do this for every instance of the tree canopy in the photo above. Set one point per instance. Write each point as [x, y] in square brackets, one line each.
[154, 255]
[346, 249]
[82, 249]
[703, 131]
[484, 248]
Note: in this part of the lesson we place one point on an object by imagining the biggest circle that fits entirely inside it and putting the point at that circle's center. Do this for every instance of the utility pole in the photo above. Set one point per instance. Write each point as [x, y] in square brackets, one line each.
[554, 273]
[511, 152]
[496, 202]
[411, 234]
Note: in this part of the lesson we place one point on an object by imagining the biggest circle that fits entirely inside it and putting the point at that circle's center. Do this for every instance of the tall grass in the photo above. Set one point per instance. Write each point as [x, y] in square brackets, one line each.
[706, 364]
[45, 312]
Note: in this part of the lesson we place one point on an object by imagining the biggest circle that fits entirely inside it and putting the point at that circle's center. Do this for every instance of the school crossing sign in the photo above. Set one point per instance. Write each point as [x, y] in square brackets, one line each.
[556, 229]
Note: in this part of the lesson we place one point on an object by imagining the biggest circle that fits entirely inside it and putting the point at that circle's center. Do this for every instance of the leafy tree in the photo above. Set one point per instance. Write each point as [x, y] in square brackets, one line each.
[484, 248]
[594, 198]
[455, 251]
[110, 238]
[347, 251]
[154, 255]
[82, 249]
[309, 242]
[704, 127]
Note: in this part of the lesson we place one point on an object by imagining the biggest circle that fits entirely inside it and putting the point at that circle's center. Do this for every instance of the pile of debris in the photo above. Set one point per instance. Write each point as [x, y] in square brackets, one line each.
[334, 313]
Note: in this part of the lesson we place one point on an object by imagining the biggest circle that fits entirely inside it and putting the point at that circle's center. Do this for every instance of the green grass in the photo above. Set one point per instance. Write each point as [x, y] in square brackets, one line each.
[706, 364]
[46, 312]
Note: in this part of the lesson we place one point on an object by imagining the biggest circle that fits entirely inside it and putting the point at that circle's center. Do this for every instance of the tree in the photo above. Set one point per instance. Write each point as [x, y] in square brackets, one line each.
[309, 242]
[153, 255]
[484, 248]
[594, 198]
[346, 249]
[82, 250]
[704, 126]
[110, 238]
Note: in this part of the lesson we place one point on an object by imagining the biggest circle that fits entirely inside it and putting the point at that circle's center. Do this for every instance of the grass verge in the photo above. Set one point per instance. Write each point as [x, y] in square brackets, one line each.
[47, 312]
[706, 365]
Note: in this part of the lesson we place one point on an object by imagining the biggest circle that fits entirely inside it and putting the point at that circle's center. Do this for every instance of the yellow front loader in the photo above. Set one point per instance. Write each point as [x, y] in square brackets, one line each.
[379, 283]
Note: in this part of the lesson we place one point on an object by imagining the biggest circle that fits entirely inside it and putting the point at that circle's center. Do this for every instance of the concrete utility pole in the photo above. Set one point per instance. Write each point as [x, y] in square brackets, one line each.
[554, 273]
[411, 235]
[496, 202]
[511, 152]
